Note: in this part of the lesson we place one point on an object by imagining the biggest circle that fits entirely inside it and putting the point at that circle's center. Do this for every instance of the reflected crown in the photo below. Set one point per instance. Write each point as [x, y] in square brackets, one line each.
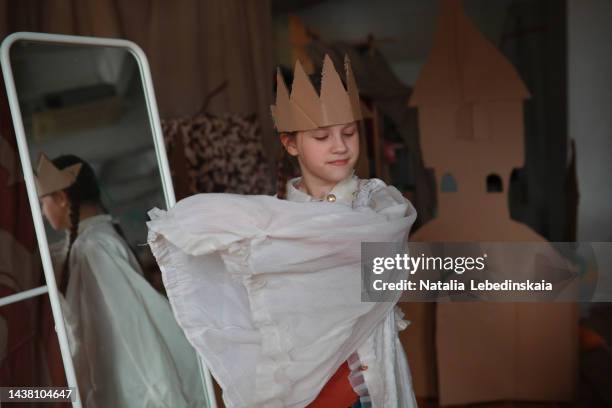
[50, 179]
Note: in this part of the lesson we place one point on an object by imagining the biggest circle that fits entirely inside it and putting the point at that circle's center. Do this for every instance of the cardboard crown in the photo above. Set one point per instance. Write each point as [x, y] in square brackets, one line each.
[305, 109]
[50, 179]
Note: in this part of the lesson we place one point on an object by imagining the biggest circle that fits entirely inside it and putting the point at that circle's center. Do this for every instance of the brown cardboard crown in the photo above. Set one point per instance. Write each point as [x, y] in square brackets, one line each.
[50, 179]
[305, 109]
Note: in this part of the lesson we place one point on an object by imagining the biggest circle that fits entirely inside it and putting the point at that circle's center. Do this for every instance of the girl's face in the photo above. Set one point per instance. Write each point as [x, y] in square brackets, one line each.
[327, 155]
[56, 209]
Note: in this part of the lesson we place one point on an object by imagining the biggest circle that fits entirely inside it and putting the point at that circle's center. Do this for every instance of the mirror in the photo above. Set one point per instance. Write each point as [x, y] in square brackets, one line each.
[88, 105]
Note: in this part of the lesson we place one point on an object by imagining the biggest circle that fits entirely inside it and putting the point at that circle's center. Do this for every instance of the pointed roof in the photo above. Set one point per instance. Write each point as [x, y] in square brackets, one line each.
[463, 66]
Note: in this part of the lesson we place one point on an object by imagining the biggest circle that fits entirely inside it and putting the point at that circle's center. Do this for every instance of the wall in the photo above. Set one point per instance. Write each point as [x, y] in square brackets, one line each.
[590, 113]
[406, 27]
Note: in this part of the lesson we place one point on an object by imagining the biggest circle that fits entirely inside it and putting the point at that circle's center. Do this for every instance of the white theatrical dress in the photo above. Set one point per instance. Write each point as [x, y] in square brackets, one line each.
[268, 291]
[126, 346]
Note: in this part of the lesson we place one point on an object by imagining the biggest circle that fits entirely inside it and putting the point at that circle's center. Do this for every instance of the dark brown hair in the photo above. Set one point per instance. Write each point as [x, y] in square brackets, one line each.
[85, 189]
[286, 169]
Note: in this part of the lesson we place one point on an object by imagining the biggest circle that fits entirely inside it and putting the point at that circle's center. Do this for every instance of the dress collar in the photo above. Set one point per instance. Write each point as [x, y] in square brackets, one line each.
[343, 192]
[95, 220]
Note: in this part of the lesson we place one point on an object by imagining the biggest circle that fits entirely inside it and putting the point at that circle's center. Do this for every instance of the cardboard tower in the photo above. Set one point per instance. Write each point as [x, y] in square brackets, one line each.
[470, 106]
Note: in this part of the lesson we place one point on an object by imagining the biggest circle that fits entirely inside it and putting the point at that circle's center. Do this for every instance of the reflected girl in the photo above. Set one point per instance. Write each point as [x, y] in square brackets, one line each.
[127, 349]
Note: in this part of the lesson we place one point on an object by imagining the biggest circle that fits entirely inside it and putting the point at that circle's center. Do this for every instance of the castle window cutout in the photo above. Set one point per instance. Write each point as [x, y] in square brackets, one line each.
[448, 184]
[494, 184]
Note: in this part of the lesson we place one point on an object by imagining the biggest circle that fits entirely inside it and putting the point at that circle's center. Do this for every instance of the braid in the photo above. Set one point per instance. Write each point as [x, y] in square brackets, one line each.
[281, 175]
[286, 168]
[84, 190]
[75, 209]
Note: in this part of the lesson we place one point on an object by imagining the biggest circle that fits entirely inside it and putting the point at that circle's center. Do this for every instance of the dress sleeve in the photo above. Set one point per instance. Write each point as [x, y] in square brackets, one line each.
[206, 223]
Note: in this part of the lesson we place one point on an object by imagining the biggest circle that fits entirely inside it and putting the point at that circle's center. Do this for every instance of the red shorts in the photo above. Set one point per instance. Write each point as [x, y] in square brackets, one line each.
[338, 392]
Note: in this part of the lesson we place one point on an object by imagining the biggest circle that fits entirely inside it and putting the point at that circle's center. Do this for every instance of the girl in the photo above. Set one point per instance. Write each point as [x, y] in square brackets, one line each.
[267, 289]
[125, 344]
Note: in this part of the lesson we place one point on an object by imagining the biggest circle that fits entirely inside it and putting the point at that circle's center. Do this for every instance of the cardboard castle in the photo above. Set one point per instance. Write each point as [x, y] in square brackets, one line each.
[470, 108]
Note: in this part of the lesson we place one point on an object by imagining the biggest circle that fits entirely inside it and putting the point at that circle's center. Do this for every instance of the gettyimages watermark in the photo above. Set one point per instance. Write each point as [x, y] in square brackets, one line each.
[487, 271]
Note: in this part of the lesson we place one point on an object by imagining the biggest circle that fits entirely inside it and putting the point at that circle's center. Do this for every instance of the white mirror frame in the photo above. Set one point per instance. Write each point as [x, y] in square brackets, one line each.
[162, 160]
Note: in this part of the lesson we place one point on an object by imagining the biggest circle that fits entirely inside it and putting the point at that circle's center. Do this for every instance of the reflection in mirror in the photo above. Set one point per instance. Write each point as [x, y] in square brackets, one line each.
[89, 134]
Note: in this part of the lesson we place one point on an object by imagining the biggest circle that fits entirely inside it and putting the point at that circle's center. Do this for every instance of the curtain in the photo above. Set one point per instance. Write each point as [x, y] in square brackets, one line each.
[542, 194]
[192, 46]
[21, 330]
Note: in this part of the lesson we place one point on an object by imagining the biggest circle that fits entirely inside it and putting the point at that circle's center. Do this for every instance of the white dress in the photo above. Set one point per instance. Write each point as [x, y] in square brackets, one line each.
[268, 291]
[126, 346]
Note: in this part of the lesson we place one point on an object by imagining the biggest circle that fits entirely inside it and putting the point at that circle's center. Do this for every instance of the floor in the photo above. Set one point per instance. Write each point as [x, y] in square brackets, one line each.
[595, 388]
